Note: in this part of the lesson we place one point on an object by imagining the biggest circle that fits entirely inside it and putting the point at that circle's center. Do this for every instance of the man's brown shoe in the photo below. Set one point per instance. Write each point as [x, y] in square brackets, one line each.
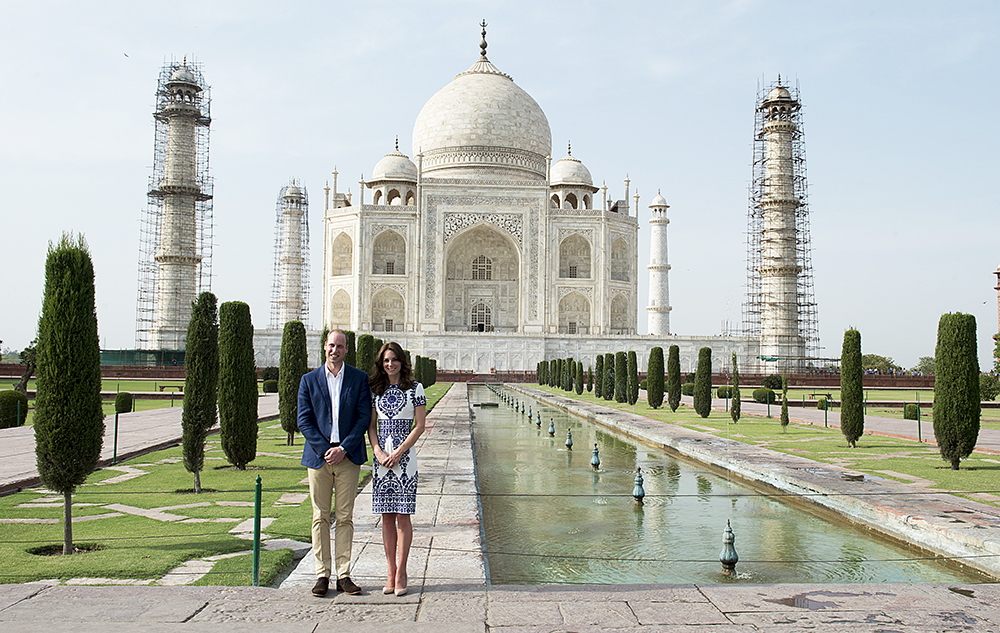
[347, 585]
[321, 587]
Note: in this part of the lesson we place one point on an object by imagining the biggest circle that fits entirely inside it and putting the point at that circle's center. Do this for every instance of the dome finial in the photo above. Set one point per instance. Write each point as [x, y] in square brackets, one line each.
[569, 148]
[482, 44]
[397, 142]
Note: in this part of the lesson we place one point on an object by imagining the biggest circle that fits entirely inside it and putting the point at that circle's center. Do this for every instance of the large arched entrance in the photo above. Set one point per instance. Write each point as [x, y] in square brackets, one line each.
[481, 282]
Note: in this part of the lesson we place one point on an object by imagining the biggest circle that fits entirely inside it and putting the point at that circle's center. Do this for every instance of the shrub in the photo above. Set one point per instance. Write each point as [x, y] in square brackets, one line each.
[643, 383]
[269, 373]
[772, 381]
[609, 376]
[989, 387]
[633, 378]
[270, 386]
[367, 353]
[852, 404]
[621, 377]
[821, 403]
[764, 395]
[956, 387]
[294, 364]
[351, 356]
[735, 406]
[911, 411]
[654, 378]
[784, 402]
[322, 344]
[724, 391]
[703, 383]
[674, 377]
[123, 402]
[13, 409]
[590, 379]
[599, 379]
[687, 389]
[580, 377]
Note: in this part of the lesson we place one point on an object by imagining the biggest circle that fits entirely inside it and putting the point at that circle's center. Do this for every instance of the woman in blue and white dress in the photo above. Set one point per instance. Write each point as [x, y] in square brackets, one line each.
[398, 412]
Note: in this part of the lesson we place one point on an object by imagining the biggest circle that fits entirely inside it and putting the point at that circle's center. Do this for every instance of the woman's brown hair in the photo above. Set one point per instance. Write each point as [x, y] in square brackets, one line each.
[378, 380]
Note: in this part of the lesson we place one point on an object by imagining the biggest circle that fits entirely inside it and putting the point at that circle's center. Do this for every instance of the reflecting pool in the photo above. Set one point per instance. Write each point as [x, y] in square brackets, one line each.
[549, 517]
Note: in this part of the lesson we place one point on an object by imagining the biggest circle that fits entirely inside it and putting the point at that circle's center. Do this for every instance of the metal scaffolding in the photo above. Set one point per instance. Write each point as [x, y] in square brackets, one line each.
[290, 287]
[761, 302]
[176, 227]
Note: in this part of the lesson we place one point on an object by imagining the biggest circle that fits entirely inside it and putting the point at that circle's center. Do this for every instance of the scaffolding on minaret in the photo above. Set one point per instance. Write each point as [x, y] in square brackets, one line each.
[175, 261]
[759, 300]
[290, 286]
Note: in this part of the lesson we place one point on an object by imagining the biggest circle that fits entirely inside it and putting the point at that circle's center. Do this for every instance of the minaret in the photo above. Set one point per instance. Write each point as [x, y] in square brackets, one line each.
[781, 339]
[658, 311]
[289, 292]
[175, 251]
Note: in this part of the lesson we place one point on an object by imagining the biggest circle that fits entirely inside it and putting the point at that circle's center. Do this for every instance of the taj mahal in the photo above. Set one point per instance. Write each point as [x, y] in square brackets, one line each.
[485, 253]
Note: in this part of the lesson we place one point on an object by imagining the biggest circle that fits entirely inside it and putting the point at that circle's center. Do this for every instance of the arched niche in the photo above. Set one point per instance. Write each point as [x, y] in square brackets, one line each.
[571, 200]
[619, 315]
[554, 201]
[342, 309]
[377, 198]
[393, 197]
[389, 254]
[482, 265]
[388, 311]
[343, 255]
[620, 260]
[574, 314]
[574, 258]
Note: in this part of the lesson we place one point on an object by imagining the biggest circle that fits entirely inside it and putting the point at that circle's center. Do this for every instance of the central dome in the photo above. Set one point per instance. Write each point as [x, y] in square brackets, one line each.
[482, 119]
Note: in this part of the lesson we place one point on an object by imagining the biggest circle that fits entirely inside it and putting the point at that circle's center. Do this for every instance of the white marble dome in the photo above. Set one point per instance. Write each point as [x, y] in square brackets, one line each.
[183, 75]
[395, 166]
[779, 92]
[292, 191]
[481, 111]
[658, 201]
[570, 171]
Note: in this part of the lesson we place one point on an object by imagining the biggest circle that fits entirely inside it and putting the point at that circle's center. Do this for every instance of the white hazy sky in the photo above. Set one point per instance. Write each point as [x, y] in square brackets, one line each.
[900, 110]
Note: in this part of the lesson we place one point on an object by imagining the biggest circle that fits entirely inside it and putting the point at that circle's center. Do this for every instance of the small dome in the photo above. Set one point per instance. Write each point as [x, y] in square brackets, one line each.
[183, 75]
[395, 166]
[658, 201]
[570, 171]
[779, 92]
[292, 192]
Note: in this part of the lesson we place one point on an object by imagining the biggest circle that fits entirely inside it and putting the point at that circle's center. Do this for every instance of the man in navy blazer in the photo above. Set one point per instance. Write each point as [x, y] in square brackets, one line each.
[335, 409]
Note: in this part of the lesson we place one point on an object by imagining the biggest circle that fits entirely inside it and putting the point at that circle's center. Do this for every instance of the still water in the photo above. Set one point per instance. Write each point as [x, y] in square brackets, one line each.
[549, 517]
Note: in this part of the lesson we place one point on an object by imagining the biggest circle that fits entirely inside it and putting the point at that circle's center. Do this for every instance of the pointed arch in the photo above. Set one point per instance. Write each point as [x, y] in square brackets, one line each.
[343, 255]
[388, 311]
[389, 254]
[620, 322]
[620, 267]
[574, 257]
[574, 314]
[342, 309]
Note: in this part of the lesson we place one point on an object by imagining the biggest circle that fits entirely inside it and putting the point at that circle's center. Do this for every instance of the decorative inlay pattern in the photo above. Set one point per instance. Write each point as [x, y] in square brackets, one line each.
[455, 222]
[376, 287]
[584, 290]
[588, 234]
[375, 229]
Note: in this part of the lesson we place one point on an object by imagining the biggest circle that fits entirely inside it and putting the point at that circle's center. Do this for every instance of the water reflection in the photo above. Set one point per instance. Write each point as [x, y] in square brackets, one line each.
[550, 518]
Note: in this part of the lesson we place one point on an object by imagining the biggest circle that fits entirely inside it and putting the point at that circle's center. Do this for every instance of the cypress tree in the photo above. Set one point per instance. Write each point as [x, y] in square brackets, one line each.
[69, 418]
[201, 383]
[784, 403]
[703, 383]
[674, 377]
[599, 376]
[378, 345]
[621, 377]
[567, 375]
[351, 357]
[580, 377]
[322, 344]
[237, 384]
[418, 369]
[654, 378]
[431, 372]
[294, 365]
[590, 378]
[734, 407]
[633, 378]
[366, 353]
[609, 376]
[852, 406]
[956, 387]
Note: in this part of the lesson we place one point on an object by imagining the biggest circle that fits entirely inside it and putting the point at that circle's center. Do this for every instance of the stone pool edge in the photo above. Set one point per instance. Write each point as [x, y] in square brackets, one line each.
[942, 524]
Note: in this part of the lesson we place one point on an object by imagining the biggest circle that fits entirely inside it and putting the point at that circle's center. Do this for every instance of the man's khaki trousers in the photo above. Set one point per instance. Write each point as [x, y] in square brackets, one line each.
[341, 482]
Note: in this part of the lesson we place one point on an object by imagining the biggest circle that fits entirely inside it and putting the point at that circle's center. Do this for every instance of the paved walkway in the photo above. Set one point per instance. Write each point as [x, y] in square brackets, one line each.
[448, 590]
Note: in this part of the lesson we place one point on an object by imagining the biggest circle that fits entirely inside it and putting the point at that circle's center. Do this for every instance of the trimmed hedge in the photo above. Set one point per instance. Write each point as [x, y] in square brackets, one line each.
[821, 403]
[269, 373]
[910, 411]
[123, 402]
[270, 386]
[763, 394]
[687, 389]
[13, 409]
[724, 391]
[772, 382]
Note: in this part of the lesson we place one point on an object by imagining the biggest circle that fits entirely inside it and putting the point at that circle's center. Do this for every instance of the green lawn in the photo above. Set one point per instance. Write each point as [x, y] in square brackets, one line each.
[898, 459]
[187, 526]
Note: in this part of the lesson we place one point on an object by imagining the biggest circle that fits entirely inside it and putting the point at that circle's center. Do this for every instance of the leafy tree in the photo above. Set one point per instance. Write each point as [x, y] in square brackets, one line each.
[237, 384]
[621, 377]
[654, 378]
[881, 364]
[852, 405]
[69, 418]
[599, 371]
[925, 365]
[703, 383]
[989, 387]
[201, 383]
[956, 387]
[294, 365]
[784, 403]
[609, 376]
[674, 377]
[734, 407]
[367, 352]
[322, 344]
[633, 378]
[28, 359]
[581, 377]
[351, 356]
